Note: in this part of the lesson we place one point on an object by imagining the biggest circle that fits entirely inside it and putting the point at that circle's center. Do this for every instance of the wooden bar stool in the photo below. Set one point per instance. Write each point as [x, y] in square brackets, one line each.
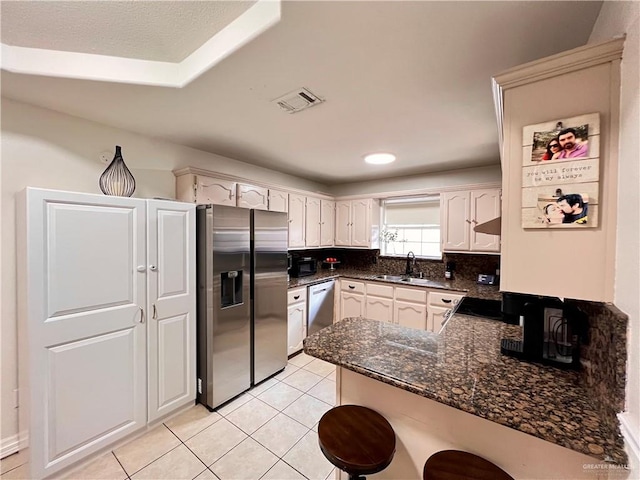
[457, 465]
[357, 440]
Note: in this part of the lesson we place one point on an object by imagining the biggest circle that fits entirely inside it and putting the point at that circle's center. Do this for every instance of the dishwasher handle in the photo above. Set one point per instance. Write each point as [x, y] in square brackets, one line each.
[315, 292]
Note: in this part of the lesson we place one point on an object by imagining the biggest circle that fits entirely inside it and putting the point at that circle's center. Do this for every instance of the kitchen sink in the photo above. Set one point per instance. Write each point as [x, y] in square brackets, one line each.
[421, 281]
[389, 277]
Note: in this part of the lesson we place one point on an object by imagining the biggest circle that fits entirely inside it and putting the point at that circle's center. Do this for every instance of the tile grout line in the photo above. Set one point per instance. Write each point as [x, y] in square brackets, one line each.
[120, 463]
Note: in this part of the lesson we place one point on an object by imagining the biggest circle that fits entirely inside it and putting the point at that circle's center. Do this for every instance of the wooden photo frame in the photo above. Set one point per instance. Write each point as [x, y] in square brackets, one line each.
[561, 173]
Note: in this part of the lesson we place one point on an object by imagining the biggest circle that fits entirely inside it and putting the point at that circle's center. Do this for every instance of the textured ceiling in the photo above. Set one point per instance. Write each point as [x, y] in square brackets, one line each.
[412, 78]
[150, 30]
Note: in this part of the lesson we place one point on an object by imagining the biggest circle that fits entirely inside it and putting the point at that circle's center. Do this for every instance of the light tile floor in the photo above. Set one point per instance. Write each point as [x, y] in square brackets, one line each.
[268, 433]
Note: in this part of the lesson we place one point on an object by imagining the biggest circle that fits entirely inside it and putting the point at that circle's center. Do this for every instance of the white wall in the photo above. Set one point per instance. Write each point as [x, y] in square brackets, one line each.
[490, 174]
[42, 148]
[617, 18]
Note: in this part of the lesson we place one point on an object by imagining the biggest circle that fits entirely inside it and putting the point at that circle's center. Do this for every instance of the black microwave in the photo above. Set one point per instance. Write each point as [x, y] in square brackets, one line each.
[303, 266]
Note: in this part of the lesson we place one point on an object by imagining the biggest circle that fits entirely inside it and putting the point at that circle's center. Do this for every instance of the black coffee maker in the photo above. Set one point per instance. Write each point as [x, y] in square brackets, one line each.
[551, 330]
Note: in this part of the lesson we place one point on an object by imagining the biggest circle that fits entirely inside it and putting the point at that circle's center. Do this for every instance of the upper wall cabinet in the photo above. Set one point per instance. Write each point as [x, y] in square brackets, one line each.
[327, 222]
[278, 200]
[250, 196]
[204, 189]
[579, 261]
[312, 222]
[357, 223]
[461, 212]
[297, 204]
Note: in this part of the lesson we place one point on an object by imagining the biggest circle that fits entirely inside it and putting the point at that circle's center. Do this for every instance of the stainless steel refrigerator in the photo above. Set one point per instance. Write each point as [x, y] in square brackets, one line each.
[242, 299]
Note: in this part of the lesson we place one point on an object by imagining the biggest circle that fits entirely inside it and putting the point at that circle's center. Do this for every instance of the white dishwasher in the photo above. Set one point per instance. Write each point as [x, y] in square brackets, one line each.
[320, 306]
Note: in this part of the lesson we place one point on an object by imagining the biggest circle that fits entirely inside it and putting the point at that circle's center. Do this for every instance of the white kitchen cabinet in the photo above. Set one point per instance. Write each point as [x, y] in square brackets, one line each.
[297, 208]
[461, 212]
[343, 224]
[352, 299]
[379, 302]
[251, 196]
[312, 222]
[439, 302]
[412, 315]
[215, 190]
[327, 222]
[95, 364]
[278, 200]
[296, 319]
[378, 308]
[171, 349]
[357, 223]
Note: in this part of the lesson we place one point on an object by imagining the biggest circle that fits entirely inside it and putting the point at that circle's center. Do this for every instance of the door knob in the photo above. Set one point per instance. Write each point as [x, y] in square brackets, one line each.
[153, 268]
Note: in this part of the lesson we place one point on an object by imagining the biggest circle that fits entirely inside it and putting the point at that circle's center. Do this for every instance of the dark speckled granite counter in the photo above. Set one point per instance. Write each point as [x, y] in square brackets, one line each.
[469, 287]
[462, 367]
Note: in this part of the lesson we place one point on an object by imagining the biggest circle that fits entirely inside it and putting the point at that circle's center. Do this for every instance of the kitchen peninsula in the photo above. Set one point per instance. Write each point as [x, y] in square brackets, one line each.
[455, 390]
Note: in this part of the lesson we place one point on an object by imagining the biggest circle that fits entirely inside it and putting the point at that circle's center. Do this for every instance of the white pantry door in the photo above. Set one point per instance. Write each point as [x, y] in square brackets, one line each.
[82, 336]
[172, 305]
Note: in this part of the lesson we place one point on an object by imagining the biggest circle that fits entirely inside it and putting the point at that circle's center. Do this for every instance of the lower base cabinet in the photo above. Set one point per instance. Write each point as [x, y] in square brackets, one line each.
[413, 307]
[412, 315]
[296, 319]
[352, 299]
[378, 308]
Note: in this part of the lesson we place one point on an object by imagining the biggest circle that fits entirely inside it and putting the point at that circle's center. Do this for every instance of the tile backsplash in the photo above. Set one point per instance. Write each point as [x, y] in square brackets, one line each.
[467, 266]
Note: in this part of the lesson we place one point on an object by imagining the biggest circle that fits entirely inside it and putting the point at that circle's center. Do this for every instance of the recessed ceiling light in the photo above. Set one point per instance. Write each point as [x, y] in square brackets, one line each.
[380, 158]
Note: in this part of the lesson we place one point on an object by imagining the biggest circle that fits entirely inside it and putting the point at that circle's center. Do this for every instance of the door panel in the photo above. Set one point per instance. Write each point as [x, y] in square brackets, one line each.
[175, 362]
[215, 190]
[171, 306]
[104, 244]
[250, 196]
[361, 223]
[312, 222]
[456, 221]
[82, 375]
[485, 206]
[343, 223]
[327, 222]
[83, 351]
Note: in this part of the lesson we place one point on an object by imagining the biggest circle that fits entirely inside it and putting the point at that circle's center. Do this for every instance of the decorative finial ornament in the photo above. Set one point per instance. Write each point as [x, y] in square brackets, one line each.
[117, 179]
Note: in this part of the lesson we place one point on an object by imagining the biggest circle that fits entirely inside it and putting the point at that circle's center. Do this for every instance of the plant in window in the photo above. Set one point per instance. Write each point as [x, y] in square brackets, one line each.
[390, 237]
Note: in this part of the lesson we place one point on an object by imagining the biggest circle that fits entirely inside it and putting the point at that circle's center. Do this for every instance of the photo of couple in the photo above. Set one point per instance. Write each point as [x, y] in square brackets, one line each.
[564, 208]
[566, 143]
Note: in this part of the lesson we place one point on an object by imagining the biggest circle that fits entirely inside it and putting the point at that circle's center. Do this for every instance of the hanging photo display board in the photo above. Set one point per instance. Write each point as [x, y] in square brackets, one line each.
[561, 173]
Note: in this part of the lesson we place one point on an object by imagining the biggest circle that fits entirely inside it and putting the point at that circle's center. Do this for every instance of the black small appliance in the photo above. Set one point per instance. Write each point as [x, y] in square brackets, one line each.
[551, 330]
[303, 266]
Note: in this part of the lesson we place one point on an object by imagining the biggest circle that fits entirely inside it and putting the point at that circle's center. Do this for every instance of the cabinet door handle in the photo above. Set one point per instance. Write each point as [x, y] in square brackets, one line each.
[141, 315]
[352, 287]
[474, 221]
[444, 300]
[155, 312]
[295, 297]
[153, 268]
[468, 221]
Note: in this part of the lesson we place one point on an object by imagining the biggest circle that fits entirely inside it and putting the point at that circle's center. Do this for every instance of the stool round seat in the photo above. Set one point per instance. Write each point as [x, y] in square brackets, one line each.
[458, 465]
[356, 439]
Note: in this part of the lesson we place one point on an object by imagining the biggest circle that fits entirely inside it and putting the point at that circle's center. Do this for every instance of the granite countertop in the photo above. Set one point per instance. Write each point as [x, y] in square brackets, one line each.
[468, 287]
[462, 367]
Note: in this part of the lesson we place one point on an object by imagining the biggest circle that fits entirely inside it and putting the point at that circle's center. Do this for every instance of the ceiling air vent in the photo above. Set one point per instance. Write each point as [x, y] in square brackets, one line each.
[297, 100]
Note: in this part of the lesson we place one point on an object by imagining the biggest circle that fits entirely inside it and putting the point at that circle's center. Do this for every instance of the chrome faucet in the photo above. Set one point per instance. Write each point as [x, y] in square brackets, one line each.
[411, 261]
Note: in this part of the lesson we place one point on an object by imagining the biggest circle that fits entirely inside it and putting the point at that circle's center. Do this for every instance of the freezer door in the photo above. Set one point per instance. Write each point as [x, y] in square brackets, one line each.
[269, 293]
[224, 303]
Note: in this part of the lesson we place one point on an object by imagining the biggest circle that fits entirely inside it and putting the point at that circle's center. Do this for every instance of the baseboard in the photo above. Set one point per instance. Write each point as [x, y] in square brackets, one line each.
[631, 441]
[13, 444]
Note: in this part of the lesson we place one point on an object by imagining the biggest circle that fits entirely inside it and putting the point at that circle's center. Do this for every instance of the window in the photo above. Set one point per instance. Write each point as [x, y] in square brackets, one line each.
[411, 225]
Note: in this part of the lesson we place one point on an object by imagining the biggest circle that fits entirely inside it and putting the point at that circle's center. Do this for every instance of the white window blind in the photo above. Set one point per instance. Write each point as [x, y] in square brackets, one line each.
[411, 224]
